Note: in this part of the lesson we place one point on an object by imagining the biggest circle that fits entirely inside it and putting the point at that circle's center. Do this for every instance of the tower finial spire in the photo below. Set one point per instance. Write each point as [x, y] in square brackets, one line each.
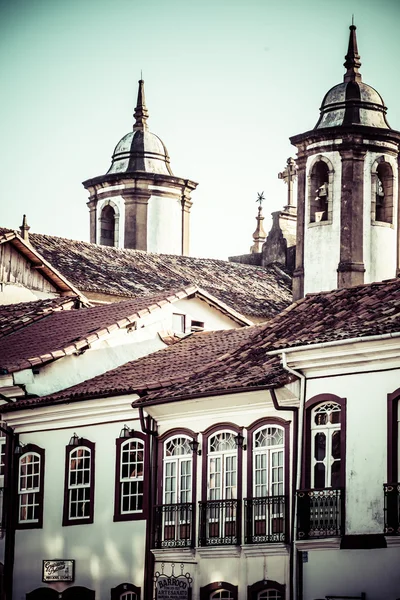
[352, 62]
[259, 236]
[141, 113]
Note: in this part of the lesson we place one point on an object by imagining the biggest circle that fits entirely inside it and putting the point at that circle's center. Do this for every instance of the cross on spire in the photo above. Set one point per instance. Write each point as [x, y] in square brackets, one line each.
[260, 198]
[289, 175]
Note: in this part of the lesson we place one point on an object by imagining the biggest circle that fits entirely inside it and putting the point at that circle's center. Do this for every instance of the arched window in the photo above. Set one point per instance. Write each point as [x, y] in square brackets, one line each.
[130, 478]
[382, 191]
[79, 482]
[30, 487]
[320, 191]
[219, 590]
[326, 460]
[219, 515]
[174, 517]
[125, 591]
[107, 226]
[266, 590]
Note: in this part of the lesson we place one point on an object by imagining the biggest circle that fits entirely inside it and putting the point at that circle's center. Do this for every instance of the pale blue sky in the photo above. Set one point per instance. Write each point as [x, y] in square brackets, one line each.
[226, 84]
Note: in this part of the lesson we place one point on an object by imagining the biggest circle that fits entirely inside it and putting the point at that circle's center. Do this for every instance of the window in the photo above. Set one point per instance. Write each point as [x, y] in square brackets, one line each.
[174, 517]
[382, 191]
[196, 326]
[107, 226]
[125, 591]
[130, 496]
[178, 323]
[219, 590]
[220, 522]
[222, 466]
[79, 483]
[265, 506]
[266, 590]
[320, 189]
[177, 471]
[30, 487]
[268, 478]
[326, 448]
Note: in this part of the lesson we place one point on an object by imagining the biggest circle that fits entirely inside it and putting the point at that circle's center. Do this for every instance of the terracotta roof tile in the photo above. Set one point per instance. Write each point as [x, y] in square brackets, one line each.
[16, 316]
[257, 292]
[65, 332]
[160, 369]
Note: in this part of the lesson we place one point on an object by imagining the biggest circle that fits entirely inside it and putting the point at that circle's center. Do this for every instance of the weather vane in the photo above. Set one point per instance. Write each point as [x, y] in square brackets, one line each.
[260, 198]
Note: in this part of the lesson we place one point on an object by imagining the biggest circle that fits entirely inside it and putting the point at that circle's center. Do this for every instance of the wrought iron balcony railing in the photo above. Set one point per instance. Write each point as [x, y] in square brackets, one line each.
[219, 523]
[265, 520]
[320, 513]
[392, 508]
[174, 525]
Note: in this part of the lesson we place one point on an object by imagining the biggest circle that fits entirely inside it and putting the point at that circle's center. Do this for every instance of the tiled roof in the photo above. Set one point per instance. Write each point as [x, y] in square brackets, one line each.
[362, 311]
[66, 332]
[257, 292]
[16, 316]
[161, 368]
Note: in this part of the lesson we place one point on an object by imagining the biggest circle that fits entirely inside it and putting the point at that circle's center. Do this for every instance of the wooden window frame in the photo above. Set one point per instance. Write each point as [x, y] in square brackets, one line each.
[32, 449]
[67, 520]
[140, 514]
[207, 590]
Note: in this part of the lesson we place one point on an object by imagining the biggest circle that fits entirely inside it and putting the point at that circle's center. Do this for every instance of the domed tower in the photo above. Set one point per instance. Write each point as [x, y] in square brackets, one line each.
[139, 203]
[347, 173]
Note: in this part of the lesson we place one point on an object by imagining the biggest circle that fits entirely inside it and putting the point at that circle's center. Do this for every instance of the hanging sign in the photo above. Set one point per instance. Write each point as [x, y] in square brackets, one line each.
[173, 587]
[58, 569]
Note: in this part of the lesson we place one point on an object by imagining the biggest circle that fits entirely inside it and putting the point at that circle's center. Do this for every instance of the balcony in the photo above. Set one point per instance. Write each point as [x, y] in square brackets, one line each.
[320, 513]
[220, 523]
[265, 520]
[392, 508]
[174, 526]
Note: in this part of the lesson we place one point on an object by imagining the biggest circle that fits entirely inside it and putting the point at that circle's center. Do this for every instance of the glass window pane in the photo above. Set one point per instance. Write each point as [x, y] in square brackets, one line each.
[320, 446]
[319, 475]
[335, 474]
[336, 444]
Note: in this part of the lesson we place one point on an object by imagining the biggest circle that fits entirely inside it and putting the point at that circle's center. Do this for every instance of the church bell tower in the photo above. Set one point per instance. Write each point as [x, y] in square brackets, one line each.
[139, 203]
[348, 199]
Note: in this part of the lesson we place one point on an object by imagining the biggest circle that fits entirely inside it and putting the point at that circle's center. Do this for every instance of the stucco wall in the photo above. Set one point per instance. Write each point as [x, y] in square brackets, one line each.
[322, 240]
[164, 225]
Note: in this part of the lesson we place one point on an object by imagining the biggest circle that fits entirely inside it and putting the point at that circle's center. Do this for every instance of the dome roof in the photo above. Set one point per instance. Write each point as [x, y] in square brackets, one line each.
[352, 102]
[140, 150]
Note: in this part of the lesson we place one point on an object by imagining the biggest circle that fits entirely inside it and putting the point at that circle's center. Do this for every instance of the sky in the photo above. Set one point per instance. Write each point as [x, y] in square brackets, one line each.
[226, 83]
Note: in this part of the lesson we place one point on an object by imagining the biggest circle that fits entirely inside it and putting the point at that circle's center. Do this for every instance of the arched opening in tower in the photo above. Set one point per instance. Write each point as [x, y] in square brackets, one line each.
[107, 226]
[384, 193]
[319, 192]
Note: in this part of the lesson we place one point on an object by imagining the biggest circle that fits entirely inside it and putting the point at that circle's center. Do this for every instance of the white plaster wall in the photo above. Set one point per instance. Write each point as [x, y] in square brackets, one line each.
[164, 225]
[350, 572]
[121, 347]
[380, 256]
[106, 553]
[118, 204]
[366, 443]
[13, 293]
[322, 241]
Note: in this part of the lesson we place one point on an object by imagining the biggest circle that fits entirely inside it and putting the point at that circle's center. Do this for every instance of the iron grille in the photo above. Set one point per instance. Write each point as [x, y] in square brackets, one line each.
[219, 522]
[174, 525]
[320, 513]
[265, 520]
[392, 508]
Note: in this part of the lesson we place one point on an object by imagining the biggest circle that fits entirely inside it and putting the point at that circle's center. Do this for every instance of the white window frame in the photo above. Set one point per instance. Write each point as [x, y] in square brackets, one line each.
[134, 482]
[328, 429]
[79, 494]
[269, 451]
[28, 496]
[222, 491]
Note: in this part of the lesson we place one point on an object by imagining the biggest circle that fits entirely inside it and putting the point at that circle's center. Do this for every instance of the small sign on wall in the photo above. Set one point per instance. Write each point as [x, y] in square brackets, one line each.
[58, 569]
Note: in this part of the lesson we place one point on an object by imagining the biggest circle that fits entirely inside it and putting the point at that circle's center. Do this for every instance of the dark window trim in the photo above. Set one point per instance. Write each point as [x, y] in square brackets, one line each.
[143, 514]
[207, 590]
[268, 422]
[206, 435]
[176, 432]
[122, 588]
[263, 586]
[392, 436]
[39, 524]
[306, 461]
[89, 519]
